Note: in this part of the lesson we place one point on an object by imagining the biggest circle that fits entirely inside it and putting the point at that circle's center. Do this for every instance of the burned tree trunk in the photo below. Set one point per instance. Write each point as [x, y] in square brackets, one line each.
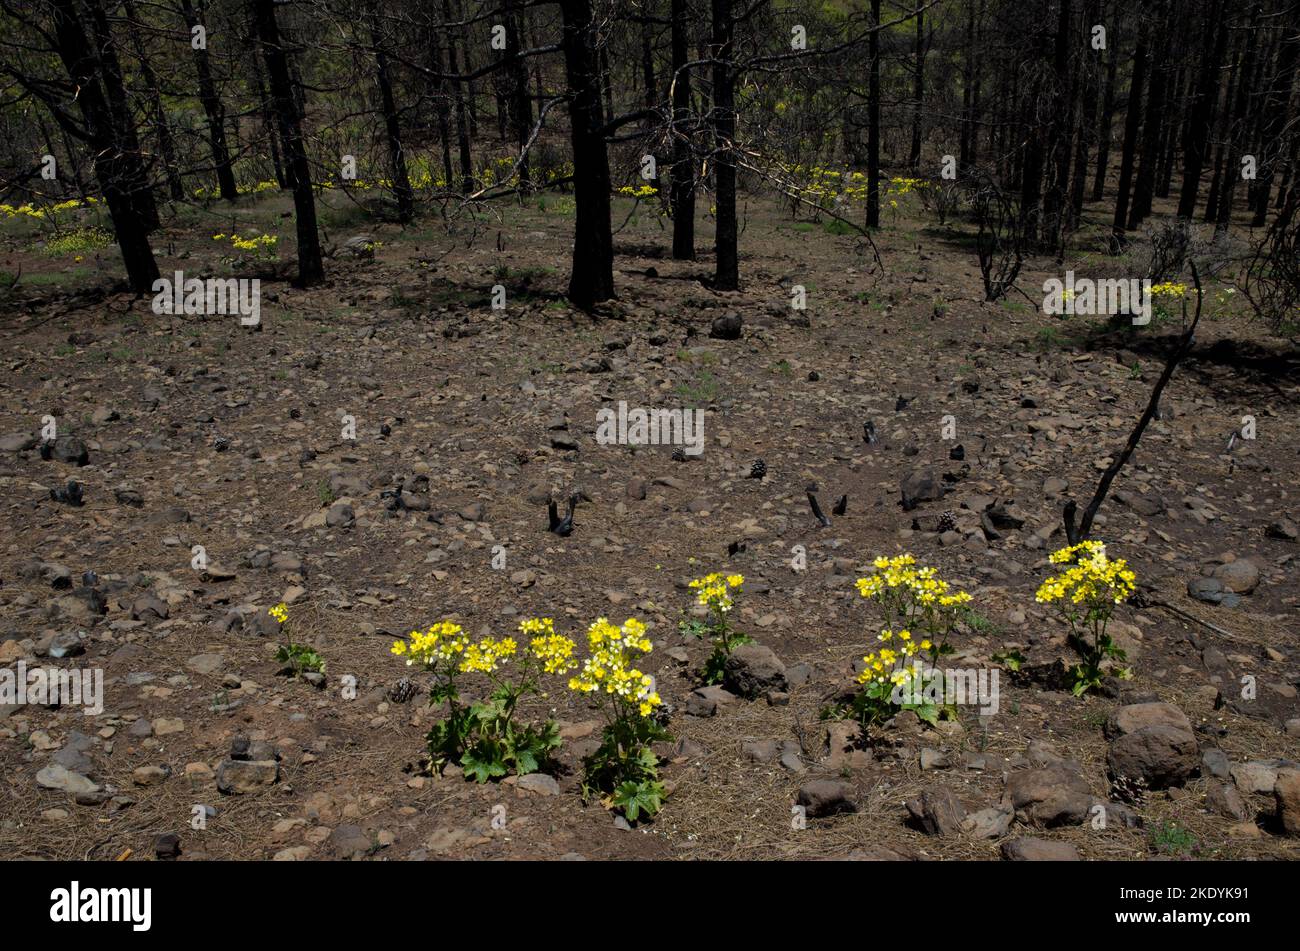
[726, 274]
[682, 195]
[310, 268]
[212, 107]
[392, 127]
[592, 277]
[116, 161]
[873, 120]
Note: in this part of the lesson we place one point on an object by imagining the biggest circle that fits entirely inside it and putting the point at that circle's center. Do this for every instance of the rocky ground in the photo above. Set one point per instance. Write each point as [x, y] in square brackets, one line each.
[184, 431]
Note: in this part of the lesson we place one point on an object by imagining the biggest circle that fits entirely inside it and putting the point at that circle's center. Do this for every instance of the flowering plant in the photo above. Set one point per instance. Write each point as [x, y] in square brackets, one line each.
[296, 658]
[717, 592]
[919, 610]
[484, 737]
[1087, 593]
[623, 767]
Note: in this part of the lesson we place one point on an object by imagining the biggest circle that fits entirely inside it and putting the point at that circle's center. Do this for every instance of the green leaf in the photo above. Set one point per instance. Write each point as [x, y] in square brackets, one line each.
[481, 770]
[636, 798]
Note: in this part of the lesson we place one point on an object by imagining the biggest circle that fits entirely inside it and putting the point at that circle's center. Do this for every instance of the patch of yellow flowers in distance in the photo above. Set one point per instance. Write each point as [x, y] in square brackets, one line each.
[249, 244]
[28, 210]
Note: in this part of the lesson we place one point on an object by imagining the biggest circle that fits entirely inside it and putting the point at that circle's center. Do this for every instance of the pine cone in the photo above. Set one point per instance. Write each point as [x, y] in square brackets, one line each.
[758, 470]
[947, 522]
[679, 454]
[402, 691]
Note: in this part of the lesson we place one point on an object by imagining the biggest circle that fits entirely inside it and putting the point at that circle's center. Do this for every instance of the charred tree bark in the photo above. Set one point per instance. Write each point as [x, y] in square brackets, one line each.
[1132, 121]
[1144, 189]
[873, 120]
[726, 274]
[519, 107]
[1196, 138]
[116, 164]
[311, 270]
[682, 195]
[162, 129]
[918, 90]
[1104, 133]
[462, 125]
[592, 278]
[1275, 118]
[212, 108]
[392, 128]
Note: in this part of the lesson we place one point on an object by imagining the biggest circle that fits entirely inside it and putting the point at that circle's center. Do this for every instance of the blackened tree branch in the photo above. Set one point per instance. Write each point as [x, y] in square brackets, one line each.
[1075, 534]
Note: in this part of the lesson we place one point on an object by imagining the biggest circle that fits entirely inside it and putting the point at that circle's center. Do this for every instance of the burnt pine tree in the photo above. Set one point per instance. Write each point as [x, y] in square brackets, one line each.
[592, 277]
[462, 123]
[392, 126]
[873, 120]
[211, 102]
[1132, 122]
[111, 75]
[1275, 115]
[114, 155]
[726, 274]
[682, 194]
[519, 108]
[162, 129]
[1145, 187]
[310, 268]
[1196, 131]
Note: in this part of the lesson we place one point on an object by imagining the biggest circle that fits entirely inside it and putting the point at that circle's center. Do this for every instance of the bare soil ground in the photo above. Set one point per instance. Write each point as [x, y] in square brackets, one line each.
[232, 440]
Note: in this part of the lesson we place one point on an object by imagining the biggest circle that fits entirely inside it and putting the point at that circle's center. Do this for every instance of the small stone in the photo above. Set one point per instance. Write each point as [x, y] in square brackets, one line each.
[1287, 793]
[150, 775]
[163, 726]
[1254, 777]
[539, 783]
[63, 779]
[1030, 849]
[167, 846]
[1240, 576]
[937, 811]
[237, 777]
[826, 797]
[753, 669]
[727, 327]
[992, 823]
[1224, 800]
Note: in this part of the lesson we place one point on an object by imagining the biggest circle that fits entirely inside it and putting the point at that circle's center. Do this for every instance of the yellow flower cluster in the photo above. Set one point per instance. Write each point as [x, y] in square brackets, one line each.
[1094, 578]
[609, 668]
[714, 590]
[555, 651]
[1168, 289]
[249, 244]
[442, 641]
[880, 666]
[280, 612]
[924, 584]
[640, 191]
[487, 655]
[255, 189]
[904, 186]
[27, 210]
